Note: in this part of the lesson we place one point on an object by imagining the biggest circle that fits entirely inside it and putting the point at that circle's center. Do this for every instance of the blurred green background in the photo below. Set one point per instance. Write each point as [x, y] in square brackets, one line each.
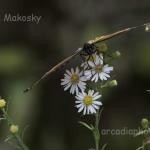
[27, 50]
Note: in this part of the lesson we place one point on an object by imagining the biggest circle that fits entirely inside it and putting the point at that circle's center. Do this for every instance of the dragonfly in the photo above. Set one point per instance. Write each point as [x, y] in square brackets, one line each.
[88, 49]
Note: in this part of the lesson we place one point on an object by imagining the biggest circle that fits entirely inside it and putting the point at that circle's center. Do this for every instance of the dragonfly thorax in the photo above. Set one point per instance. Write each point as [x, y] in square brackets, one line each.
[89, 49]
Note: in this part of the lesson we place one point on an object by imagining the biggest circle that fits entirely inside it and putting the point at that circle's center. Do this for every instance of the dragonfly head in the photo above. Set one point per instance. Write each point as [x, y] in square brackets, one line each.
[89, 49]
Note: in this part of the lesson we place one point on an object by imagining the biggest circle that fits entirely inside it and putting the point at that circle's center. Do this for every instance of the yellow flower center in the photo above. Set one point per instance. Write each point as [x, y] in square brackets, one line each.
[88, 100]
[98, 68]
[74, 78]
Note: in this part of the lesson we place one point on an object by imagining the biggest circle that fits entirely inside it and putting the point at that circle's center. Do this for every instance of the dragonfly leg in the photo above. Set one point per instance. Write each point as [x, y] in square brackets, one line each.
[83, 55]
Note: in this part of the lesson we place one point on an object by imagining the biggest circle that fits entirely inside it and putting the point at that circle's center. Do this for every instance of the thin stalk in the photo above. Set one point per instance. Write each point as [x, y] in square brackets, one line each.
[16, 135]
[20, 142]
[97, 134]
[96, 131]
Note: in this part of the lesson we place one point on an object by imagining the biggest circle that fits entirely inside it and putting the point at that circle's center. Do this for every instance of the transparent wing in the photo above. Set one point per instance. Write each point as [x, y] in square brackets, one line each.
[94, 41]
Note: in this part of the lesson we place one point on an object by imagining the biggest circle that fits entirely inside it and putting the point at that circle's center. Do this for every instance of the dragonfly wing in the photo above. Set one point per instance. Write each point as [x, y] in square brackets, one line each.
[109, 36]
[56, 67]
[96, 40]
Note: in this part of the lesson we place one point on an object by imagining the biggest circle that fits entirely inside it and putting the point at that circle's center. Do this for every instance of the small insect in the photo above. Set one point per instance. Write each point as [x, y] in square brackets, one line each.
[88, 49]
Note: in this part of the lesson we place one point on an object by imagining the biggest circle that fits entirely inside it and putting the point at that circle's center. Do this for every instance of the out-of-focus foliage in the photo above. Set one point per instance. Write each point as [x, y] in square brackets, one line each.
[27, 50]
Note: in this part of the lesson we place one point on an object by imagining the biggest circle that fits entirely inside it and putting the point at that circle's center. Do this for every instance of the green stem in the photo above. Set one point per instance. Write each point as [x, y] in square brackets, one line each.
[16, 135]
[96, 131]
[20, 142]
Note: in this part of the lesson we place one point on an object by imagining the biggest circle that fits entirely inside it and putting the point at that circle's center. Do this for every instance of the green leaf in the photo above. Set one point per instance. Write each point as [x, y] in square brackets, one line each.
[104, 146]
[100, 113]
[142, 147]
[10, 137]
[86, 125]
[148, 90]
[24, 130]
[18, 147]
[2, 119]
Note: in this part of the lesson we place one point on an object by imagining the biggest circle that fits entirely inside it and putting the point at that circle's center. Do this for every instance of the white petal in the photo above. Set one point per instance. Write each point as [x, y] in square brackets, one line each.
[93, 72]
[102, 76]
[91, 92]
[105, 74]
[97, 61]
[82, 83]
[65, 82]
[83, 78]
[97, 93]
[79, 105]
[97, 97]
[84, 111]
[77, 70]
[88, 110]
[72, 71]
[95, 106]
[79, 97]
[97, 102]
[87, 72]
[92, 109]
[72, 90]
[80, 74]
[67, 87]
[91, 64]
[69, 73]
[81, 108]
[84, 94]
[82, 87]
[67, 77]
[94, 77]
[77, 90]
[101, 59]
[77, 102]
[107, 69]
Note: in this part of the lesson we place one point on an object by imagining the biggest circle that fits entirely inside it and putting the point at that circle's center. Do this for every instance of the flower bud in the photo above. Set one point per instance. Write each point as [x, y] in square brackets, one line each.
[116, 54]
[147, 27]
[2, 103]
[112, 83]
[145, 123]
[103, 48]
[14, 129]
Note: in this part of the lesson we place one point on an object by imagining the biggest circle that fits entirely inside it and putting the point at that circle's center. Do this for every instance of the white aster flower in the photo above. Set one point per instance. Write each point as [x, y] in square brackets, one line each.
[88, 103]
[91, 58]
[75, 80]
[98, 70]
